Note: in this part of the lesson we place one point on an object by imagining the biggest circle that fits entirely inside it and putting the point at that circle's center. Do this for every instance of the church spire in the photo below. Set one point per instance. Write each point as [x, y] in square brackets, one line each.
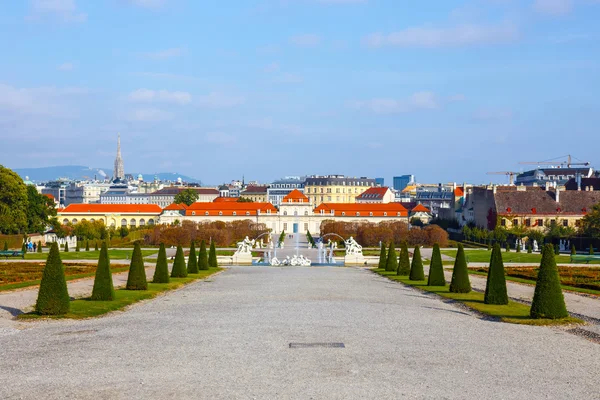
[119, 171]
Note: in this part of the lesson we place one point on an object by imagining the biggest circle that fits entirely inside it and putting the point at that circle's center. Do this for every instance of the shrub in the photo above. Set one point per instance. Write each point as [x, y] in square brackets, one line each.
[495, 288]
[436, 268]
[416, 267]
[202, 257]
[573, 250]
[404, 261]
[39, 246]
[556, 249]
[529, 249]
[591, 249]
[518, 250]
[87, 245]
[24, 248]
[77, 246]
[96, 246]
[66, 247]
[212, 256]
[161, 272]
[460, 274]
[53, 296]
[382, 257]
[136, 280]
[179, 270]
[192, 267]
[548, 300]
[507, 247]
[103, 283]
[5, 246]
[391, 264]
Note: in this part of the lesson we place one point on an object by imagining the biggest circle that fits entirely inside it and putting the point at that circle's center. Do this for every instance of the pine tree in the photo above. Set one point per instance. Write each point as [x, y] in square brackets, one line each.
[382, 257]
[77, 246]
[436, 268]
[416, 267]
[202, 257]
[460, 274]
[53, 296]
[103, 283]
[548, 300]
[179, 270]
[212, 256]
[391, 264]
[495, 288]
[136, 280]
[39, 246]
[161, 272]
[87, 245]
[573, 250]
[66, 247]
[192, 267]
[404, 261]
[96, 246]
[5, 245]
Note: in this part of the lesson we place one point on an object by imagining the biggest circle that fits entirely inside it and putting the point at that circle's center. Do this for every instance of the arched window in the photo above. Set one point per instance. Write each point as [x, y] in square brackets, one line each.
[132, 222]
[123, 222]
[206, 213]
[193, 212]
[92, 220]
[371, 214]
[285, 213]
[82, 219]
[220, 212]
[247, 212]
[65, 221]
[142, 222]
[343, 214]
[150, 221]
[305, 212]
[357, 214]
[74, 220]
[234, 213]
[385, 214]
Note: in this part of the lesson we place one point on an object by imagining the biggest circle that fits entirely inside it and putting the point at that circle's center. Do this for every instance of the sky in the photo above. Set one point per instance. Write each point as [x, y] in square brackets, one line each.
[444, 90]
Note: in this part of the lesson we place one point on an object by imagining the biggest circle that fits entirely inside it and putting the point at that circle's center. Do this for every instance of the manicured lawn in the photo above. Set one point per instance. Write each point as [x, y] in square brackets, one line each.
[90, 255]
[512, 256]
[513, 312]
[86, 308]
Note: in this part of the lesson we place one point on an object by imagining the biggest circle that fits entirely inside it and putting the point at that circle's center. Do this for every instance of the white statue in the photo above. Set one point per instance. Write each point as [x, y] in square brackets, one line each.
[352, 248]
[275, 262]
[245, 246]
[535, 245]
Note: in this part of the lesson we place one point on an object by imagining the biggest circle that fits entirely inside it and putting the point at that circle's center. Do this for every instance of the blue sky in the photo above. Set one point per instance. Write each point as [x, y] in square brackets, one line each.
[445, 90]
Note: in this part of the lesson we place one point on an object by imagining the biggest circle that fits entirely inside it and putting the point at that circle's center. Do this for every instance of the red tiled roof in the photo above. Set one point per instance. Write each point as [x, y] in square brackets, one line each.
[48, 195]
[295, 196]
[364, 209]
[113, 208]
[459, 192]
[229, 208]
[374, 193]
[541, 202]
[251, 189]
[225, 199]
[420, 208]
[176, 206]
[176, 189]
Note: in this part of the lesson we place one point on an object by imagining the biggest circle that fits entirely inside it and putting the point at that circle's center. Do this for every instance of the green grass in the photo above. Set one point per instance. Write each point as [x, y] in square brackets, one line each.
[90, 255]
[513, 312]
[86, 308]
[512, 257]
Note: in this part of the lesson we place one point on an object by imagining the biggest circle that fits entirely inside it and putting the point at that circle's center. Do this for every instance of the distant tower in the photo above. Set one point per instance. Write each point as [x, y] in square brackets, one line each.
[119, 171]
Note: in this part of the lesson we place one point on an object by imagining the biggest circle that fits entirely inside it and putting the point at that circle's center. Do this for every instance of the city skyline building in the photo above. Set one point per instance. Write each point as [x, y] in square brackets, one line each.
[119, 170]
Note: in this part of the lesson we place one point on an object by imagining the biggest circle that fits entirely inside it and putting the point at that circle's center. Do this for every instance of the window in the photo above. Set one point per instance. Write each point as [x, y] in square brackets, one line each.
[285, 226]
[205, 212]
[503, 222]
[343, 214]
[305, 212]
[220, 212]
[65, 221]
[142, 222]
[306, 227]
[123, 222]
[385, 214]
[515, 222]
[528, 222]
[357, 214]
[565, 222]
[193, 212]
[285, 213]
[540, 222]
[371, 214]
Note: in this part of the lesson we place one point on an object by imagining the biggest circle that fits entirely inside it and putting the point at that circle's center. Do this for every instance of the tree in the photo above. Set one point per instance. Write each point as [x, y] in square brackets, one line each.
[202, 257]
[186, 196]
[192, 267]
[53, 296]
[24, 248]
[87, 245]
[495, 288]
[5, 245]
[391, 264]
[13, 202]
[66, 247]
[39, 246]
[573, 250]
[403, 261]
[161, 272]
[245, 200]
[40, 209]
[591, 248]
[590, 223]
[460, 274]
[123, 232]
[548, 300]
[77, 246]
[96, 245]
[382, 257]
[500, 234]
[103, 283]
[136, 280]
[556, 249]
[436, 268]
[212, 256]
[416, 267]
[507, 246]
[179, 269]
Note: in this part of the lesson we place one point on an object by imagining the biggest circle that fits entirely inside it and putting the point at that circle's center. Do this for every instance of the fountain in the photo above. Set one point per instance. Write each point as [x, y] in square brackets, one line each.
[243, 254]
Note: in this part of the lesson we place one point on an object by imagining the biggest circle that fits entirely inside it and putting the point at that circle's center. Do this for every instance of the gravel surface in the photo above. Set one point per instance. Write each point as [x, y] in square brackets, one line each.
[228, 338]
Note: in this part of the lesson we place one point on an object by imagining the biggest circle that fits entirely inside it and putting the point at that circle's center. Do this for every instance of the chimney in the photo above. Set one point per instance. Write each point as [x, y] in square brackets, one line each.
[578, 178]
[557, 195]
[547, 186]
[494, 189]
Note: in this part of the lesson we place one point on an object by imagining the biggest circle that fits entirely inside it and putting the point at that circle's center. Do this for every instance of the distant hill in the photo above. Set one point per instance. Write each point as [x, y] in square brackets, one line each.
[78, 172]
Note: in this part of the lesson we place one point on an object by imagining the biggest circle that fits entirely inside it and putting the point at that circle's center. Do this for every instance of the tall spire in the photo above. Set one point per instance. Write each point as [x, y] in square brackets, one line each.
[119, 171]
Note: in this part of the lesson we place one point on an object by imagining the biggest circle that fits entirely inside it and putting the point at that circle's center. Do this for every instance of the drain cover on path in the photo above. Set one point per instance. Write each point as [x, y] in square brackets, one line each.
[311, 345]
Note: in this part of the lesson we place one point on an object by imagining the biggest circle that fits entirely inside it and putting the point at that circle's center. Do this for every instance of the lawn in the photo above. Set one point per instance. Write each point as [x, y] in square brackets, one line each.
[14, 275]
[513, 312]
[86, 308]
[113, 254]
[512, 256]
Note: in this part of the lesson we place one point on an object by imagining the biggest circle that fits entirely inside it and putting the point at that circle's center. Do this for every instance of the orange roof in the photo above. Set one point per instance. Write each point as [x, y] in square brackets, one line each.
[48, 195]
[295, 196]
[225, 199]
[459, 192]
[420, 208]
[229, 208]
[176, 206]
[112, 208]
[374, 193]
[363, 209]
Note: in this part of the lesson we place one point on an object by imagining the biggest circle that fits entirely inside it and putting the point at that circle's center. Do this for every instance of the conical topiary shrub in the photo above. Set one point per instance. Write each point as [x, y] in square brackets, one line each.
[136, 280]
[556, 249]
[460, 274]
[87, 246]
[212, 256]
[77, 246]
[161, 272]
[192, 267]
[416, 267]
[96, 246]
[202, 257]
[529, 249]
[573, 250]
[391, 264]
[53, 296]
[548, 300]
[179, 269]
[24, 248]
[403, 261]
[495, 288]
[382, 257]
[591, 249]
[436, 268]
[103, 283]
[66, 247]
[507, 247]
[39, 246]
[5, 246]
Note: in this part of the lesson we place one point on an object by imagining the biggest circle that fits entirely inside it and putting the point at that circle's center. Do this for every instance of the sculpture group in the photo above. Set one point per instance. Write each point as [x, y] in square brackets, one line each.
[296, 261]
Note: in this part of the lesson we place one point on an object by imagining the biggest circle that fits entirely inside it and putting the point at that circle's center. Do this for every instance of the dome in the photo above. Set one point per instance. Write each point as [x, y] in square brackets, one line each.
[140, 177]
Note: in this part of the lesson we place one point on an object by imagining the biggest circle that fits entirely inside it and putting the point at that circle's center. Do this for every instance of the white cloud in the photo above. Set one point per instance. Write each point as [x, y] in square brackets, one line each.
[417, 101]
[220, 138]
[65, 67]
[164, 54]
[148, 115]
[46, 101]
[306, 40]
[423, 100]
[217, 99]
[64, 10]
[460, 35]
[165, 96]
[553, 7]
[151, 4]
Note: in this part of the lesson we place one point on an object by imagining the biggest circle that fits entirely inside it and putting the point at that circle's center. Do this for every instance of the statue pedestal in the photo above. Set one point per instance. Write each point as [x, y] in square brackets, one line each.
[354, 259]
[242, 259]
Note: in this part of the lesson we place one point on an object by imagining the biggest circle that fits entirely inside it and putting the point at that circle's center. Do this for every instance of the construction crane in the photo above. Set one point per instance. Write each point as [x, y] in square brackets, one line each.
[555, 164]
[511, 175]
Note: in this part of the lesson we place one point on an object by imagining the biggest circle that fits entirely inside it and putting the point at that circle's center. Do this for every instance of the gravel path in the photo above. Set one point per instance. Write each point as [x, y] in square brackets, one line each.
[228, 338]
